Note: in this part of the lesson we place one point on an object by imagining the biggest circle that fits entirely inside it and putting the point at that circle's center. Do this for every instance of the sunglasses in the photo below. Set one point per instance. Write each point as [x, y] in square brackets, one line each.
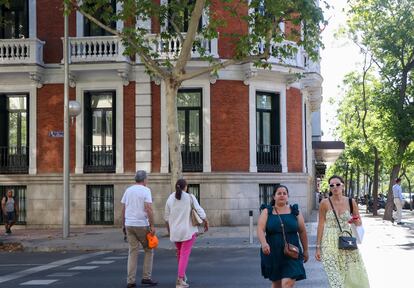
[333, 185]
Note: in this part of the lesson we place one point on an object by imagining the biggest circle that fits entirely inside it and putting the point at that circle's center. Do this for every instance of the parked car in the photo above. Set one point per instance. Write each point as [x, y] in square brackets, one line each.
[382, 201]
[406, 197]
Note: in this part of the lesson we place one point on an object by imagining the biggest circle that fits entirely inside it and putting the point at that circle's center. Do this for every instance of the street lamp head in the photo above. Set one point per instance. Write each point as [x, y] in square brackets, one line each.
[74, 108]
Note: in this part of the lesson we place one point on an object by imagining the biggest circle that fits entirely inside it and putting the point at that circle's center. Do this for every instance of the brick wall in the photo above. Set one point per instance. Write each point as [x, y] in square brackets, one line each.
[49, 14]
[156, 127]
[129, 127]
[229, 126]
[50, 118]
[294, 130]
[226, 44]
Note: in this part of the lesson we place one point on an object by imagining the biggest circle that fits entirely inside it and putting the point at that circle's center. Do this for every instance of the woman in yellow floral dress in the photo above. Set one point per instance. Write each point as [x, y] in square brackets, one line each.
[344, 268]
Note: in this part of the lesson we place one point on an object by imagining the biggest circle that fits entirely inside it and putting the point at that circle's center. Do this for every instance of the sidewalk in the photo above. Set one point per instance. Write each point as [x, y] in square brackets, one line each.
[94, 239]
[378, 233]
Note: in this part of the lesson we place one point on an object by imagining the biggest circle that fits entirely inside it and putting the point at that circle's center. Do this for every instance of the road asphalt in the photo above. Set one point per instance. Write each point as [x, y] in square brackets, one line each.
[387, 249]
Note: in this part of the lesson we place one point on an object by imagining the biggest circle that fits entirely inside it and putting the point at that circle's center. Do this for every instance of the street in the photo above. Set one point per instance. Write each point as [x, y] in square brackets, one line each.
[207, 268]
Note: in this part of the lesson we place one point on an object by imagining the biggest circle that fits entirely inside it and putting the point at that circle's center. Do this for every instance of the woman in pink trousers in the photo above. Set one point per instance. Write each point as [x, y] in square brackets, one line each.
[179, 225]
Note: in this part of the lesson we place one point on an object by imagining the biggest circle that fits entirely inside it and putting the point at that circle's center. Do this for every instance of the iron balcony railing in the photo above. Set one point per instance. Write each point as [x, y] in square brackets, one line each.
[268, 158]
[99, 159]
[192, 156]
[14, 160]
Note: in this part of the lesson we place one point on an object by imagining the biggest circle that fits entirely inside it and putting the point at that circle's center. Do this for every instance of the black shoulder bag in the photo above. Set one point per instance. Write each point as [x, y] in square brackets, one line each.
[344, 242]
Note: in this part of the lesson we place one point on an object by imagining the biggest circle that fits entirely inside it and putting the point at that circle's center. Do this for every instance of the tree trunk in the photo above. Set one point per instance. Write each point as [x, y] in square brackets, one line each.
[376, 182]
[394, 174]
[358, 188]
[346, 178]
[351, 182]
[174, 147]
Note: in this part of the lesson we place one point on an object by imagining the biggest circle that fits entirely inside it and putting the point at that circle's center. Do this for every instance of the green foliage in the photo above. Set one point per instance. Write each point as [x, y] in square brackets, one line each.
[384, 28]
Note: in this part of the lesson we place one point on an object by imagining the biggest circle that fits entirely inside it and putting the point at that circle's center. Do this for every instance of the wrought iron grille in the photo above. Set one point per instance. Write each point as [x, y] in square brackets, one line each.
[192, 156]
[266, 193]
[195, 190]
[100, 205]
[19, 195]
[99, 159]
[14, 160]
[268, 158]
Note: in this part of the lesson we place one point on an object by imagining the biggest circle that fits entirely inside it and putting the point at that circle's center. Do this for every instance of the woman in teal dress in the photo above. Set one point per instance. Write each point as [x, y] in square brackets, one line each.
[344, 268]
[278, 268]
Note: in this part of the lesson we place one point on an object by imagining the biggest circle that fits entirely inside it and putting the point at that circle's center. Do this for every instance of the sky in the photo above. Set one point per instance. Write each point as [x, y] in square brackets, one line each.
[339, 57]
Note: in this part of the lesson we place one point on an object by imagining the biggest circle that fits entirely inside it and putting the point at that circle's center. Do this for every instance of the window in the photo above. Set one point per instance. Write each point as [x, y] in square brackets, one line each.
[99, 131]
[195, 190]
[268, 132]
[181, 16]
[14, 20]
[14, 134]
[19, 195]
[91, 29]
[100, 204]
[266, 193]
[190, 128]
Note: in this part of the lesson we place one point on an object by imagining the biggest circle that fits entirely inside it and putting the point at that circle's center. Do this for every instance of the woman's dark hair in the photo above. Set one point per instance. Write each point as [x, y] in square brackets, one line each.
[337, 177]
[273, 202]
[179, 187]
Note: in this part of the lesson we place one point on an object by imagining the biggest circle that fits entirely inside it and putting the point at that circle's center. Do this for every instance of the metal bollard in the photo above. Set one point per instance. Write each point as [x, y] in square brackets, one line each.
[251, 227]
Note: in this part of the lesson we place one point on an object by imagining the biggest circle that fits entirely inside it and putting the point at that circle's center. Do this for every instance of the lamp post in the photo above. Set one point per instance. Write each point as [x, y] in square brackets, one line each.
[66, 196]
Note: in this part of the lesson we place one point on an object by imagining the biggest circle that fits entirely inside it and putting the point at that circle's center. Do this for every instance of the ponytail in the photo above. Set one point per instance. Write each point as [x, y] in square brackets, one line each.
[179, 187]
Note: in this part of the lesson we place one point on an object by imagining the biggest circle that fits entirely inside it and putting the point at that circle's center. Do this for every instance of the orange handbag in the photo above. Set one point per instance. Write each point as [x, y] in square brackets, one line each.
[152, 240]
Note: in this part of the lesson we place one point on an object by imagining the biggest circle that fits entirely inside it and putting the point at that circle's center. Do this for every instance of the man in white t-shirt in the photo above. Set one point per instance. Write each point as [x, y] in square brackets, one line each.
[138, 220]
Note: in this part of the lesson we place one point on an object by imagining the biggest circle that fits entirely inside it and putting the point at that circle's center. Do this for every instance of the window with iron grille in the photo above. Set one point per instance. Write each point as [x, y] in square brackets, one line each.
[100, 132]
[195, 190]
[19, 195]
[14, 136]
[100, 204]
[268, 132]
[266, 193]
[190, 128]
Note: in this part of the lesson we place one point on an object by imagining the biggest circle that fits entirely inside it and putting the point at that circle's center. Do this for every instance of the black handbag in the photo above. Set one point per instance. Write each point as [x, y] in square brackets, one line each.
[344, 242]
[347, 242]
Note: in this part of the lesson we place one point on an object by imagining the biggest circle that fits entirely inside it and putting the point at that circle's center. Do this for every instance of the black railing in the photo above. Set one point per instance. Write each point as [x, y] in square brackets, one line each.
[192, 156]
[99, 159]
[14, 160]
[268, 158]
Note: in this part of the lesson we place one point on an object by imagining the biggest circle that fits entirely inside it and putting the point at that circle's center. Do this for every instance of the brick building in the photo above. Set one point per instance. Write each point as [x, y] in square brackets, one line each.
[242, 133]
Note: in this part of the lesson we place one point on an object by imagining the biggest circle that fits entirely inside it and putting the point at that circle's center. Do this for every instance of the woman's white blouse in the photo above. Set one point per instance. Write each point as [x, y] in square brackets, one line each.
[177, 214]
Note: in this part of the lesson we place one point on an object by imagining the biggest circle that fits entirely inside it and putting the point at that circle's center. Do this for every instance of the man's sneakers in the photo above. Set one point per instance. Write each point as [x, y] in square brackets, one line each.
[149, 282]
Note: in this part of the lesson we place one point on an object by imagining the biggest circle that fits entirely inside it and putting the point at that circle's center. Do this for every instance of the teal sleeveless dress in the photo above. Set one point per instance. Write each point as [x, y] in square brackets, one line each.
[276, 265]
